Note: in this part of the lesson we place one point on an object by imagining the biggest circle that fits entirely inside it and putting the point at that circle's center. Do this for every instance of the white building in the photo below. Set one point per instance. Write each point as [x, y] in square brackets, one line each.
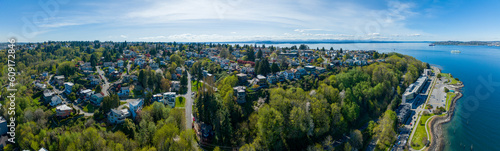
[117, 116]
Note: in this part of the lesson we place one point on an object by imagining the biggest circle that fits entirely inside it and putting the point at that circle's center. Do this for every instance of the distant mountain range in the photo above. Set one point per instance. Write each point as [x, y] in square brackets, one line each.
[321, 41]
[468, 43]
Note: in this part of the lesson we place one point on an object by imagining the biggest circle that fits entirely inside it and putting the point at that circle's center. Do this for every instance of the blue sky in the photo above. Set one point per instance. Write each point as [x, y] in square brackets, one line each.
[244, 20]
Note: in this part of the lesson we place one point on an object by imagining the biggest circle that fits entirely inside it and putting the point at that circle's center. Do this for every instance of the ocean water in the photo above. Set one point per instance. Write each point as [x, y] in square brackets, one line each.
[476, 123]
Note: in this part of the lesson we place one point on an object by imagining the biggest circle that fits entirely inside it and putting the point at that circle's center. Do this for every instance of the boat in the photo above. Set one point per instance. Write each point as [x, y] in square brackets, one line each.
[432, 44]
[456, 51]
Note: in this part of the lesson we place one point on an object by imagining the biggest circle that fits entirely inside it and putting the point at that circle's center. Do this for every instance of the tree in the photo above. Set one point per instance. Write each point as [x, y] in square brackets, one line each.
[356, 140]
[275, 68]
[250, 55]
[270, 125]
[98, 89]
[93, 60]
[165, 84]
[259, 54]
[129, 128]
[384, 131]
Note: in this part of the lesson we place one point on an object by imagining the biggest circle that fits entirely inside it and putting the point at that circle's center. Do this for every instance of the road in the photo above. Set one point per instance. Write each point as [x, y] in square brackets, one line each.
[189, 103]
[421, 108]
[102, 76]
[65, 100]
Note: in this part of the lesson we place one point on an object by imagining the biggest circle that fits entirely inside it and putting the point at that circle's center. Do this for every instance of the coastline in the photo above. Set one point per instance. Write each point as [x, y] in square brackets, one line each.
[436, 129]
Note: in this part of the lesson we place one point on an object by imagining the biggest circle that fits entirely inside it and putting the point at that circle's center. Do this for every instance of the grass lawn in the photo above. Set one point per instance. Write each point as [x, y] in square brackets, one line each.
[121, 103]
[447, 75]
[180, 102]
[194, 84]
[89, 108]
[449, 97]
[420, 134]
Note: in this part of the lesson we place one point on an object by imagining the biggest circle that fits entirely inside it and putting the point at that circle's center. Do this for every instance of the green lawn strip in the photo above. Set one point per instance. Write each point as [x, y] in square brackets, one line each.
[449, 97]
[121, 103]
[194, 87]
[89, 108]
[417, 141]
[448, 76]
[180, 102]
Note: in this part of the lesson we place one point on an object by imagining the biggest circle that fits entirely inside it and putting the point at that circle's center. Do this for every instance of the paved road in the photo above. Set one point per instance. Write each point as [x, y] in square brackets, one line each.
[189, 104]
[102, 76]
[421, 108]
[65, 100]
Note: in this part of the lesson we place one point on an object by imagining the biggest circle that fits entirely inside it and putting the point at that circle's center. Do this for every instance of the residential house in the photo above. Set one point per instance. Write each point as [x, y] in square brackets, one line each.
[178, 70]
[139, 61]
[85, 94]
[189, 63]
[310, 69]
[175, 86]
[47, 95]
[111, 70]
[154, 66]
[169, 98]
[118, 116]
[119, 64]
[96, 99]
[63, 110]
[40, 86]
[289, 75]
[349, 62]
[271, 78]
[108, 64]
[55, 100]
[68, 87]
[262, 81]
[86, 66]
[59, 80]
[135, 106]
[157, 97]
[242, 78]
[124, 92]
[320, 70]
[239, 92]
[95, 82]
[296, 74]
[281, 76]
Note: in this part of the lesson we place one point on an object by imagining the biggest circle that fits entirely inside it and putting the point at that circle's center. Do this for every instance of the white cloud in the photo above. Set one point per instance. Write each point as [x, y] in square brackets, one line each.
[152, 38]
[123, 36]
[414, 35]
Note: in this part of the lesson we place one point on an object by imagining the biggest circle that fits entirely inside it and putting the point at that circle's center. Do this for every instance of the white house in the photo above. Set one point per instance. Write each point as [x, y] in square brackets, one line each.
[117, 116]
[135, 106]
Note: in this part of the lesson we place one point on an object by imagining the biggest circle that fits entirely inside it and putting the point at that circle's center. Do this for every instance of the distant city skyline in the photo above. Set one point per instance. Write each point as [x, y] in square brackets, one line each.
[244, 20]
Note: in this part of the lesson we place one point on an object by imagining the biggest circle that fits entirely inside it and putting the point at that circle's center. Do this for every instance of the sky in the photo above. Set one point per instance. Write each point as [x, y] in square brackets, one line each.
[249, 20]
